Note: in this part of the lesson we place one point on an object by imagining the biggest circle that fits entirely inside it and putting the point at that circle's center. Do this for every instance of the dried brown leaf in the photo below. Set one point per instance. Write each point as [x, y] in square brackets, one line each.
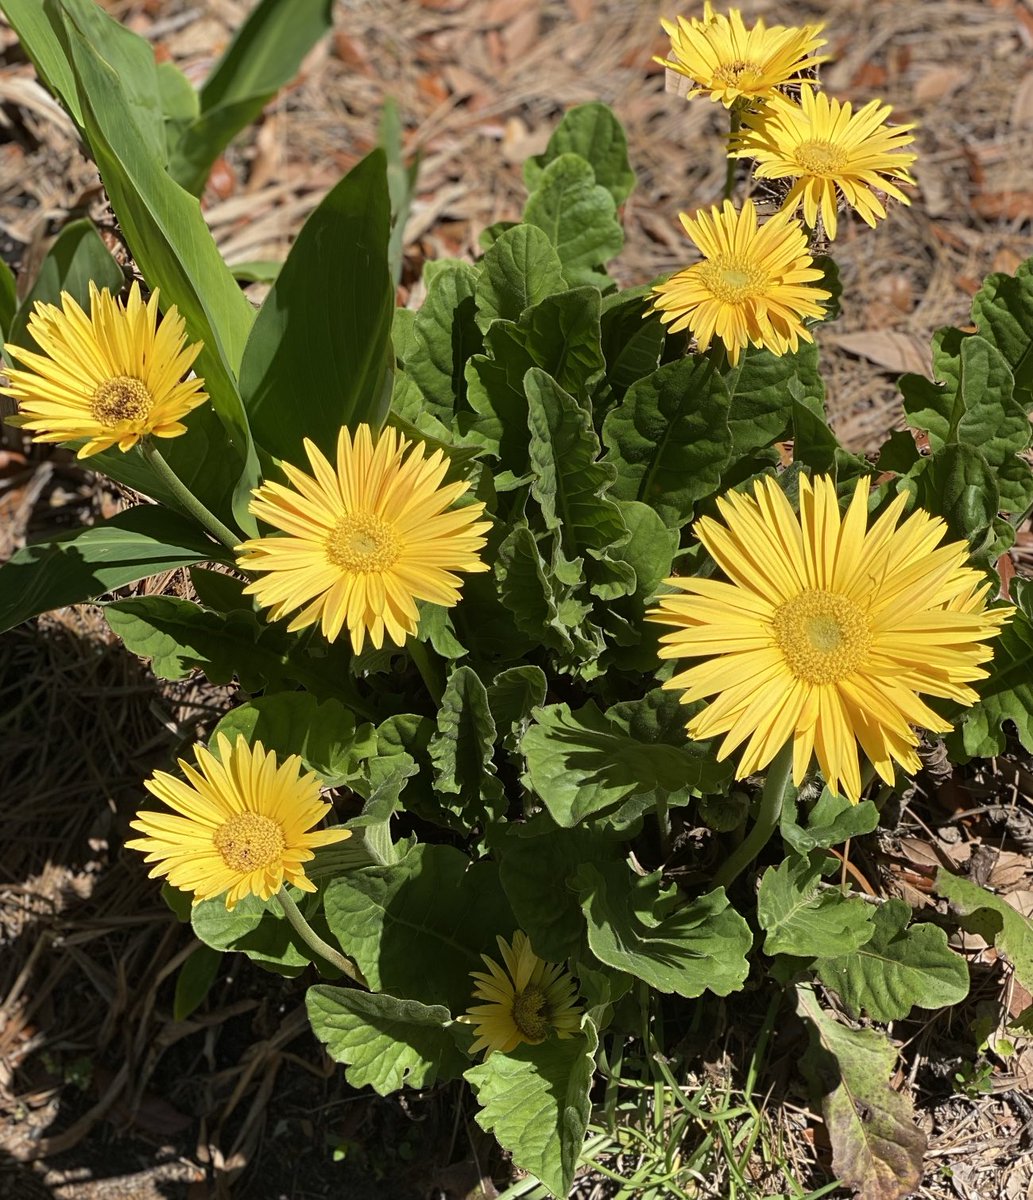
[897, 352]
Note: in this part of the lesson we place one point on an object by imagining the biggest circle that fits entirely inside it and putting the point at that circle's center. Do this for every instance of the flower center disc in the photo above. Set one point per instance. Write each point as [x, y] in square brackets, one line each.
[363, 542]
[821, 158]
[738, 73]
[528, 1014]
[249, 841]
[823, 636]
[124, 398]
[731, 280]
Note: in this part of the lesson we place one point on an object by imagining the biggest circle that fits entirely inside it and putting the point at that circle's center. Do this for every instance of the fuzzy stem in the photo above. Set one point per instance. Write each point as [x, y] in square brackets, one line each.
[734, 123]
[429, 667]
[314, 942]
[776, 787]
[186, 498]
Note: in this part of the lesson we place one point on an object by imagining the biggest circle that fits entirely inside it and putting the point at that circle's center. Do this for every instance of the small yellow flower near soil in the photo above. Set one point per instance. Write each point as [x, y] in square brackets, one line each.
[754, 286]
[360, 544]
[110, 378]
[825, 631]
[721, 56]
[525, 1000]
[828, 150]
[242, 824]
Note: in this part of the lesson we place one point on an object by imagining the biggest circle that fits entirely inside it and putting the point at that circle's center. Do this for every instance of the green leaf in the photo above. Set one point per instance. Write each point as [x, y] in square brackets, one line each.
[535, 1100]
[1007, 694]
[832, 820]
[179, 637]
[218, 590]
[194, 980]
[594, 133]
[584, 763]
[975, 406]
[178, 101]
[265, 53]
[670, 438]
[512, 695]
[444, 336]
[8, 301]
[36, 33]
[632, 339]
[258, 929]
[536, 860]
[461, 751]
[569, 483]
[804, 921]
[401, 182]
[323, 734]
[578, 217]
[1003, 313]
[877, 1149]
[384, 1042]
[318, 352]
[649, 550]
[761, 392]
[994, 919]
[172, 245]
[530, 592]
[418, 928]
[637, 926]
[85, 563]
[897, 968]
[958, 485]
[77, 257]
[518, 271]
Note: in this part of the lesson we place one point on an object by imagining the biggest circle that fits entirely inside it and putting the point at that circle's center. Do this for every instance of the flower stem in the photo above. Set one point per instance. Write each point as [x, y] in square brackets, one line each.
[429, 667]
[734, 122]
[314, 942]
[776, 788]
[186, 498]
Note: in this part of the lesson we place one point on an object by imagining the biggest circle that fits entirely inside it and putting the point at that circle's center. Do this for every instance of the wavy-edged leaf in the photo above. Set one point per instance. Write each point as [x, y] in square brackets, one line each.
[994, 919]
[637, 926]
[801, 919]
[385, 1043]
[897, 968]
[535, 1100]
[593, 132]
[520, 270]
[461, 751]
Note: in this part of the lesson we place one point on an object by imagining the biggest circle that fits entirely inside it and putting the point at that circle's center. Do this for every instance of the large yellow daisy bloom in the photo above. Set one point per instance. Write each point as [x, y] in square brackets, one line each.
[828, 149]
[363, 542]
[754, 285]
[721, 56]
[111, 378]
[525, 1000]
[242, 823]
[825, 631]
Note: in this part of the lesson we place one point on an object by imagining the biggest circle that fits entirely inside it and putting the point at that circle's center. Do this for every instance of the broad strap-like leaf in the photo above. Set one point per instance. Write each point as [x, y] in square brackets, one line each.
[85, 563]
[318, 355]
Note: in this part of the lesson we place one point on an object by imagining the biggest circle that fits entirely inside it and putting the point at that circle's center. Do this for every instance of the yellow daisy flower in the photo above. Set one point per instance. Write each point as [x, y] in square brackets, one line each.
[826, 631]
[526, 999]
[754, 284]
[365, 542]
[828, 150]
[111, 378]
[243, 823]
[721, 56]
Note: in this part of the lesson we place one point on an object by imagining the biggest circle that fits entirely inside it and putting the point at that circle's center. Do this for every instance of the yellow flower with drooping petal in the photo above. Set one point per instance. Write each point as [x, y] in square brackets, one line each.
[363, 542]
[525, 1000]
[721, 56]
[241, 824]
[825, 631]
[111, 378]
[828, 150]
[754, 286]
